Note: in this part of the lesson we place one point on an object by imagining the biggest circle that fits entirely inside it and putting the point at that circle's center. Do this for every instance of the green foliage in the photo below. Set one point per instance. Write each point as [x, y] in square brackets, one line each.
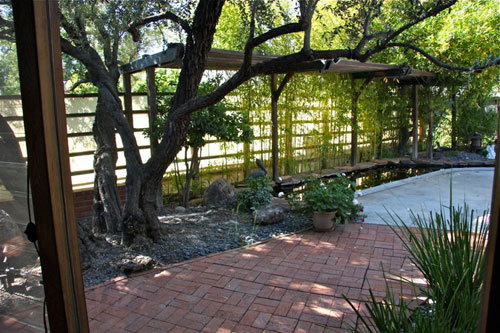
[448, 248]
[258, 194]
[463, 35]
[9, 76]
[216, 121]
[480, 120]
[336, 195]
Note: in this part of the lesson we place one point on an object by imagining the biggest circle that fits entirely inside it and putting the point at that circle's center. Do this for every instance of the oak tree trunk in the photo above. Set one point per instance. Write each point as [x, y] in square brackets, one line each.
[107, 207]
[191, 173]
[198, 44]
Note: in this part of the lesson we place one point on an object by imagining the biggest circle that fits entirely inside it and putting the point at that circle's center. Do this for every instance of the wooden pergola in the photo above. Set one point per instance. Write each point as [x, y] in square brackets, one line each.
[232, 61]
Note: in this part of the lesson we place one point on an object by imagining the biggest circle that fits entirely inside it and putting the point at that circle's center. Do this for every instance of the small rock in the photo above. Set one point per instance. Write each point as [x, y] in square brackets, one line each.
[180, 210]
[212, 225]
[231, 222]
[269, 215]
[196, 202]
[137, 264]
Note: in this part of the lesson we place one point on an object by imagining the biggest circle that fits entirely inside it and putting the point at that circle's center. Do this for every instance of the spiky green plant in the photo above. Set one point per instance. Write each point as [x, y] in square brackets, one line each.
[448, 249]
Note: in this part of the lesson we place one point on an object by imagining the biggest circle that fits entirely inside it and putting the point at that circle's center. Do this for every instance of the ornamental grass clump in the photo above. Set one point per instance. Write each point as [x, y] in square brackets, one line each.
[448, 249]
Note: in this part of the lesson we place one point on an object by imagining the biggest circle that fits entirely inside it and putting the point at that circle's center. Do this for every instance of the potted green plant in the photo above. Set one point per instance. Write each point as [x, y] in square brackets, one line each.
[331, 202]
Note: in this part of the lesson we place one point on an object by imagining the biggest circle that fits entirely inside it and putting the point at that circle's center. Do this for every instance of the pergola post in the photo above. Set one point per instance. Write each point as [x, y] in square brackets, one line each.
[325, 122]
[153, 113]
[40, 71]
[275, 95]
[274, 127]
[454, 119]
[414, 153]
[356, 94]
[430, 133]
[127, 99]
[152, 103]
[354, 124]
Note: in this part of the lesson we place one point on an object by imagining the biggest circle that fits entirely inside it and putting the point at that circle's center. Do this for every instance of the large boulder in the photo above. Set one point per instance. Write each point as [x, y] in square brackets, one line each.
[220, 193]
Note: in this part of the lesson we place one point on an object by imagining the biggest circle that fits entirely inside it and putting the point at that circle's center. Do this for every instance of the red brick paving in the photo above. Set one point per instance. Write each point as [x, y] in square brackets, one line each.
[293, 283]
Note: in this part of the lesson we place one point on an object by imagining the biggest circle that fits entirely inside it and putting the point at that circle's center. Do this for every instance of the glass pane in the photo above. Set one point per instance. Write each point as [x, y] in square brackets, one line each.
[21, 291]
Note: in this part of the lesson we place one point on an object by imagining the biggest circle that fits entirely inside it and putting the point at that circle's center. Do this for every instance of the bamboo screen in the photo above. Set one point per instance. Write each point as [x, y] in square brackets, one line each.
[310, 138]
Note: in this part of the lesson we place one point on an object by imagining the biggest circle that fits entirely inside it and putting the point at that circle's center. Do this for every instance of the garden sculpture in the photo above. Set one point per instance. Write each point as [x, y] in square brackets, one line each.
[259, 173]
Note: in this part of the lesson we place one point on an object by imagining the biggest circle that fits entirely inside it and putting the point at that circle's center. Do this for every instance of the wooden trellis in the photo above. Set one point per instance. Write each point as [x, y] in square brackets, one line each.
[232, 60]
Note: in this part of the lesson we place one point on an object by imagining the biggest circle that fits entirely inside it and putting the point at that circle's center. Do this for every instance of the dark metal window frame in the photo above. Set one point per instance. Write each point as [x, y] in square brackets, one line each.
[40, 71]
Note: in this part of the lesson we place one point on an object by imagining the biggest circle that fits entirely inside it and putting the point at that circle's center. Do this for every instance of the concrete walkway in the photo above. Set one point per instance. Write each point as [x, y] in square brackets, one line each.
[428, 192]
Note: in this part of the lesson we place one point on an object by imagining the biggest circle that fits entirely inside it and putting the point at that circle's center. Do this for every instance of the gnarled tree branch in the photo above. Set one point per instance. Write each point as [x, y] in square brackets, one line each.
[366, 29]
[156, 18]
[240, 77]
[85, 79]
[247, 57]
[307, 9]
[392, 34]
[476, 67]
[276, 32]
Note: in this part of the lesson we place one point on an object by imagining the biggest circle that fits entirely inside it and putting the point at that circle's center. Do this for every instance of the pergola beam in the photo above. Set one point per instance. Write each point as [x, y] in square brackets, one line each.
[232, 60]
[388, 73]
[172, 54]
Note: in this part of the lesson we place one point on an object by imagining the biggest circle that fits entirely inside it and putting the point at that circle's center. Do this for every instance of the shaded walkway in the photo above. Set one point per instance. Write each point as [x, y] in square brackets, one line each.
[293, 283]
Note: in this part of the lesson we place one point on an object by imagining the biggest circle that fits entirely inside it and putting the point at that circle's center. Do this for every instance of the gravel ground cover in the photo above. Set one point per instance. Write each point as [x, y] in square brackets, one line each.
[198, 231]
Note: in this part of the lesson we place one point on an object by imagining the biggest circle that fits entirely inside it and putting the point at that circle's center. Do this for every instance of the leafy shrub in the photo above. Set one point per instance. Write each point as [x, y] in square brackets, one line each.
[336, 195]
[449, 251]
[258, 194]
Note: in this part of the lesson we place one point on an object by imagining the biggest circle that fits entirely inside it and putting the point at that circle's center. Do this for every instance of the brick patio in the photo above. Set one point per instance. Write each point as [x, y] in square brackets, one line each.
[293, 283]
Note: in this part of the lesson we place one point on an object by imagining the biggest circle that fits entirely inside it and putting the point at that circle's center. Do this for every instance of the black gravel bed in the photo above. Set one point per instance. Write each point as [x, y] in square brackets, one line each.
[197, 232]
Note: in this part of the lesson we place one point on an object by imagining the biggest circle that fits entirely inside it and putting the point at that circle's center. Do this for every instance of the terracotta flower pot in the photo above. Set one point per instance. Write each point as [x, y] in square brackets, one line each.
[323, 221]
